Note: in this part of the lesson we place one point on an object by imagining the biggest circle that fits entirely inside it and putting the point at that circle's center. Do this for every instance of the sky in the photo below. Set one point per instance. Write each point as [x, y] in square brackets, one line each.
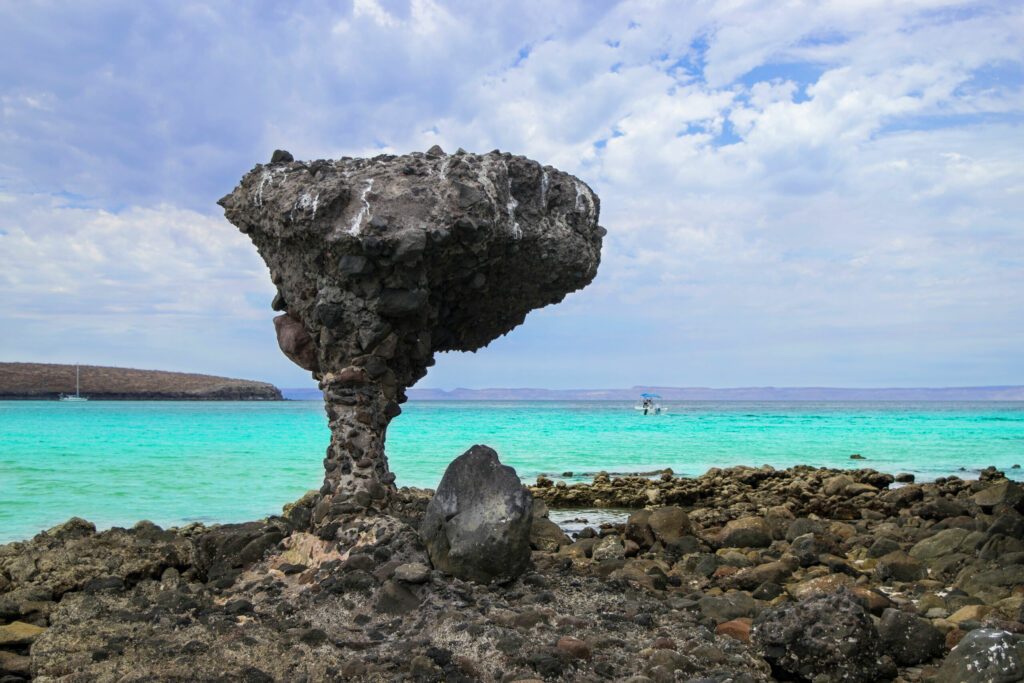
[795, 193]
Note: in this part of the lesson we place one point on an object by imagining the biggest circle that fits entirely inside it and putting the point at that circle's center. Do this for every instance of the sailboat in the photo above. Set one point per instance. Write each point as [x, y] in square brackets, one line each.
[78, 388]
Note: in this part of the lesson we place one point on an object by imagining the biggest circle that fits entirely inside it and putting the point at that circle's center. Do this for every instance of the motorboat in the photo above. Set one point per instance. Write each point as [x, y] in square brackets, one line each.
[649, 405]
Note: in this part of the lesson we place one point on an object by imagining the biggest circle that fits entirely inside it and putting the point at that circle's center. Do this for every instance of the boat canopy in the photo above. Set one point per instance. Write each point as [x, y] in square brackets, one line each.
[650, 395]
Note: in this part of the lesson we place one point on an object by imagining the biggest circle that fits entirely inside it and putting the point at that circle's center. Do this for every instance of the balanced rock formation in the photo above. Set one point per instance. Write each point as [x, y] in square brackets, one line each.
[477, 525]
[379, 263]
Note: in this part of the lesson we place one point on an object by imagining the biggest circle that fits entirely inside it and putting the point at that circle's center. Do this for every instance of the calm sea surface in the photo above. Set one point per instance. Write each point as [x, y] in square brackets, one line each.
[117, 462]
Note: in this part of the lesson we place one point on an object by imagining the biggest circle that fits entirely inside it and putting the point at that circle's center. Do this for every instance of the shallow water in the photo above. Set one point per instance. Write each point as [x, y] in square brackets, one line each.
[175, 462]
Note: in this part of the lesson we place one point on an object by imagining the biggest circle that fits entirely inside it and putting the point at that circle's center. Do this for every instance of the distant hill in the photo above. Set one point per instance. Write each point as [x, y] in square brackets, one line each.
[27, 381]
[998, 393]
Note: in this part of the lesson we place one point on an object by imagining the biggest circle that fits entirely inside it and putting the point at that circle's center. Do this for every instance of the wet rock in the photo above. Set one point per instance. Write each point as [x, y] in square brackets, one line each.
[909, 639]
[984, 656]
[477, 525]
[825, 638]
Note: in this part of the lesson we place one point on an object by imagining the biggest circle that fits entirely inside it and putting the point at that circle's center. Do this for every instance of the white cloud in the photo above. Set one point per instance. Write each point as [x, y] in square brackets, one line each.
[783, 171]
[86, 262]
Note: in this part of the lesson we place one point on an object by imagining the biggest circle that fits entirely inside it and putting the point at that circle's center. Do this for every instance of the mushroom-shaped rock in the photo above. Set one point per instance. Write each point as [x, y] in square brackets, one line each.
[477, 525]
[379, 263]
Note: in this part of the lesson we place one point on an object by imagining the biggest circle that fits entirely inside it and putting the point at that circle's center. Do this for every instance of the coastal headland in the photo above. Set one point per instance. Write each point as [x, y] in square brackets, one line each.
[47, 381]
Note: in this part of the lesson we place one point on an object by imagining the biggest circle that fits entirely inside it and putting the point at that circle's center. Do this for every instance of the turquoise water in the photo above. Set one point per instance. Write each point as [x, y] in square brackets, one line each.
[118, 462]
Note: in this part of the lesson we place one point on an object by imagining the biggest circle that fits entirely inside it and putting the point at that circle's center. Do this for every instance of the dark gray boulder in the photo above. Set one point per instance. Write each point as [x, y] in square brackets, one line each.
[985, 656]
[477, 525]
[380, 263]
[828, 638]
[910, 639]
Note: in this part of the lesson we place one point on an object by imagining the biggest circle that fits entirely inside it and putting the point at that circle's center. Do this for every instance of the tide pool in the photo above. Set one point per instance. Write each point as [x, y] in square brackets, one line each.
[176, 462]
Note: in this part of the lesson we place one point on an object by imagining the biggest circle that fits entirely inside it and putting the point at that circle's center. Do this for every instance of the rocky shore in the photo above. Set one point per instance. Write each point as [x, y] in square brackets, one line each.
[738, 575]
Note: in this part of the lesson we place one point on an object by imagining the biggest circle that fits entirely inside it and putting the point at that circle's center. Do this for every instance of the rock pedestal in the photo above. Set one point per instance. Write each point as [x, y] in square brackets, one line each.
[379, 263]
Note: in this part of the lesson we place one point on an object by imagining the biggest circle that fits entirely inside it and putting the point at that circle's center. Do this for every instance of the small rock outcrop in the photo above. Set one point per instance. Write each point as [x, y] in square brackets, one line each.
[477, 525]
[379, 263]
[648, 597]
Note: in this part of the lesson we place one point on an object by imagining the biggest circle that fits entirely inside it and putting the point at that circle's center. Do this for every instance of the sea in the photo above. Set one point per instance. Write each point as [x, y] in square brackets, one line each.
[115, 462]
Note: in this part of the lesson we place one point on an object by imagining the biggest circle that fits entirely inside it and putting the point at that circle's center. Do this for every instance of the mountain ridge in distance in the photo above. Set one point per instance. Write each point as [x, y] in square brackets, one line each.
[978, 393]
